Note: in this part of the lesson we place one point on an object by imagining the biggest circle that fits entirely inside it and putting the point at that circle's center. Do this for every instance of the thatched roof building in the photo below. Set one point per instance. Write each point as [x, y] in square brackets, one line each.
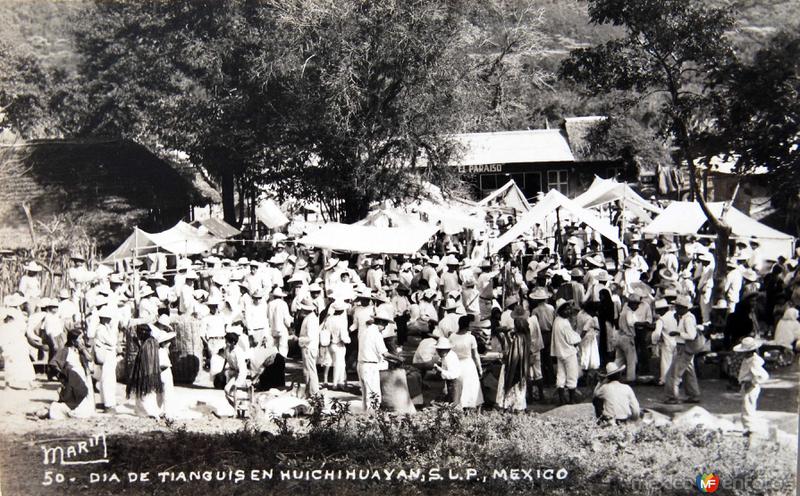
[106, 187]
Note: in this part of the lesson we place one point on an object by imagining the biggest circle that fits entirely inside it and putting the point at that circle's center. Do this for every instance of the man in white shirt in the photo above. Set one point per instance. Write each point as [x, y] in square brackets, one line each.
[682, 368]
[449, 369]
[372, 354]
[309, 345]
[666, 323]
[634, 312]
[255, 316]
[280, 321]
[613, 401]
[563, 347]
[733, 284]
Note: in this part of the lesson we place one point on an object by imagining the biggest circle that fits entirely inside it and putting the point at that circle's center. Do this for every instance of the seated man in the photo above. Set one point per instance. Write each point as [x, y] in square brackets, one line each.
[425, 357]
[614, 401]
[267, 366]
[71, 395]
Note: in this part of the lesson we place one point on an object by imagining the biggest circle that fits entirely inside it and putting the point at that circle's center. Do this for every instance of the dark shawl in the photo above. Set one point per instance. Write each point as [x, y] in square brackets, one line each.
[517, 355]
[146, 374]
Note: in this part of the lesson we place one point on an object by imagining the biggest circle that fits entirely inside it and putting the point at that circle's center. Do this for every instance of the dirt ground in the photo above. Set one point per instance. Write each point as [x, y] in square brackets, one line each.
[23, 435]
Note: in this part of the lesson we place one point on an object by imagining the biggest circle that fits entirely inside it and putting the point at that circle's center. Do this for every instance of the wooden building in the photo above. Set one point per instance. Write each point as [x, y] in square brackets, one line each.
[106, 187]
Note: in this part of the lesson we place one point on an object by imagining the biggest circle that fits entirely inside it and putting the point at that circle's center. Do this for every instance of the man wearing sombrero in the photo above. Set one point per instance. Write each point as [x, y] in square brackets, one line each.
[614, 401]
[751, 375]
[682, 368]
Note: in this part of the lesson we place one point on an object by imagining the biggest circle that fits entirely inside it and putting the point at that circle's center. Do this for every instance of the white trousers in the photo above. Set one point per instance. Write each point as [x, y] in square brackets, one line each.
[749, 401]
[108, 377]
[369, 376]
[567, 370]
[625, 354]
[338, 351]
[665, 359]
[282, 343]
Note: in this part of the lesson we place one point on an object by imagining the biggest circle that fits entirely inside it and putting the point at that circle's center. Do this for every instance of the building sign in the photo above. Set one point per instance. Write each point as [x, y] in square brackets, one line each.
[480, 168]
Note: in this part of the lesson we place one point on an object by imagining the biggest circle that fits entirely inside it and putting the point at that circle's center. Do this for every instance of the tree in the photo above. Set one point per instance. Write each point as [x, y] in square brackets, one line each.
[171, 75]
[758, 103]
[371, 91]
[668, 55]
[23, 83]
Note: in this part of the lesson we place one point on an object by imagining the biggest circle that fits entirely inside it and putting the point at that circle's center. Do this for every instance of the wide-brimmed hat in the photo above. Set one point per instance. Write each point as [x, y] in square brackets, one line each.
[307, 305]
[164, 320]
[13, 300]
[32, 266]
[561, 302]
[157, 277]
[750, 275]
[602, 276]
[147, 291]
[576, 272]
[429, 294]
[64, 294]
[314, 287]
[721, 304]
[682, 301]
[705, 257]
[595, 261]
[384, 315]
[214, 300]
[339, 306]
[48, 303]
[278, 292]
[77, 257]
[511, 300]
[301, 264]
[747, 344]
[451, 260]
[539, 293]
[444, 344]
[296, 278]
[190, 274]
[668, 275]
[634, 297]
[661, 304]
[106, 312]
[258, 293]
[612, 369]
[331, 263]
[449, 305]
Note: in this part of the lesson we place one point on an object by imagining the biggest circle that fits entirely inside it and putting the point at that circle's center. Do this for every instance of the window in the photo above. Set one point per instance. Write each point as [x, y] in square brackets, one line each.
[533, 183]
[488, 182]
[558, 179]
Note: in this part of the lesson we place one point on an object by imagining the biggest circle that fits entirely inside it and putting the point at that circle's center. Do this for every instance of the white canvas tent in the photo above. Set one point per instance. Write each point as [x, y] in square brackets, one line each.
[268, 212]
[181, 239]
[605, 191]
[369, 239]
[546, 207]
[683, 218]
[508, 196]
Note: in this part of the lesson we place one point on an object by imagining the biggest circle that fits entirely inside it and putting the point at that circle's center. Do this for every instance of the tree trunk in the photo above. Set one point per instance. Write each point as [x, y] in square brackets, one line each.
[228, 200]
[722, 230]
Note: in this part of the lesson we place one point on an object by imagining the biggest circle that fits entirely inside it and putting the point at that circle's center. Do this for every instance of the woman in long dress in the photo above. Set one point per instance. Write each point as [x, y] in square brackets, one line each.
[512, 384]
[466, 348]
[73, 357]
[19, 373]
[145, 382]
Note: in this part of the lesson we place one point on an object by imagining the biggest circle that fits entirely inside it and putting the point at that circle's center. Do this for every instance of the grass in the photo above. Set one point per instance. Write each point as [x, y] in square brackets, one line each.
[629, 459]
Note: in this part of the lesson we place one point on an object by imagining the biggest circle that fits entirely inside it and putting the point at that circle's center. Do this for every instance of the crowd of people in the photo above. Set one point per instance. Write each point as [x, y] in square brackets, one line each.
[470, 328]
